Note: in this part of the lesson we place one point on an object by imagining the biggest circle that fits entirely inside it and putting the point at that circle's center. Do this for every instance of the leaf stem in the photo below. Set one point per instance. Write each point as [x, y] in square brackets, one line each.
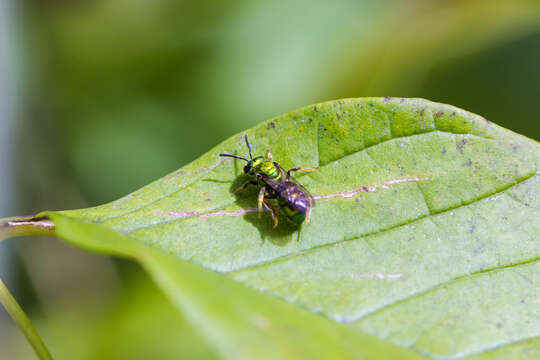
[22, 321]
[25, 226]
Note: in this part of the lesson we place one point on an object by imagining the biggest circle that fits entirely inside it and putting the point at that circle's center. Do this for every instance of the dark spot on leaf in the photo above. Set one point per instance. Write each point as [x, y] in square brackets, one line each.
[439, 113]
[371, 105]
[325, 129]
[515, 148]
[499, 325]
[461, 144]
[388, 98]
[310, 120]
[402, 100]
[473, 229]
[315, 108]
[479, 250]
[443, 151]
[453, 113]
[422, 111]
[272, 125]
[469, 162]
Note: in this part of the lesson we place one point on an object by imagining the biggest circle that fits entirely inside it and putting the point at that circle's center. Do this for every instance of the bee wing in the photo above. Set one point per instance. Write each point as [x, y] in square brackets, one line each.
[308, 194]
[274, 185]
[270, 182]
[300, 188]
[267, 179]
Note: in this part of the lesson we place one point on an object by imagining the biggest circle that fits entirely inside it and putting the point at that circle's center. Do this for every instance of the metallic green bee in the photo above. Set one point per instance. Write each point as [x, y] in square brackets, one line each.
[293, 199]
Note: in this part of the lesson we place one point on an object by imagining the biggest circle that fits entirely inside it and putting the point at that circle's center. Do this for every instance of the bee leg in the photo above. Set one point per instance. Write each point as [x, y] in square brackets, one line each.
[275, 218]
[269, 155]
[274, 213]
[281, 170]
[300, 169]
[261, 200]
[243, 187]
[308, 215]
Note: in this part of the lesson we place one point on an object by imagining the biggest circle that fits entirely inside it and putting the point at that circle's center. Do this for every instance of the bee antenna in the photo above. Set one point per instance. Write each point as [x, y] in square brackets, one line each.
[234, 156]
[249, 147]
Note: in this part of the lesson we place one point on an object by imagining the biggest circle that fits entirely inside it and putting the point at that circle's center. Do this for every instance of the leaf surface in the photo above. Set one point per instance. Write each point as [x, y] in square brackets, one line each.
[237, 321]
[424, 234]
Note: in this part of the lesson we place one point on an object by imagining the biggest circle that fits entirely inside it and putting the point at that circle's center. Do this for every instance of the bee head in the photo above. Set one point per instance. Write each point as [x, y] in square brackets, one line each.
[252, 165]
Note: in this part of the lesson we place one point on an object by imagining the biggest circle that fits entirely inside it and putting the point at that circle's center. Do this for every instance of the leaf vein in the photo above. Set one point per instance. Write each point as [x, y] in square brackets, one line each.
[498, 346]
[209, 169]
[323, 246]
[447, 283]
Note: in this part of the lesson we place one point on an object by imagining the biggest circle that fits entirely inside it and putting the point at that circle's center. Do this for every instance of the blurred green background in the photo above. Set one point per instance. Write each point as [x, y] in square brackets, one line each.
[101, 97]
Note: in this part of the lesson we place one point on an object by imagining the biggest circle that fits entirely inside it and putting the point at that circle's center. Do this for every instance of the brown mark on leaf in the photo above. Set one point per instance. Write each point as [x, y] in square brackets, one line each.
[236, 213]
[351, 193]
[182, 213]
[25, 226]
[206, 196]
[461, 144]
[344, 194]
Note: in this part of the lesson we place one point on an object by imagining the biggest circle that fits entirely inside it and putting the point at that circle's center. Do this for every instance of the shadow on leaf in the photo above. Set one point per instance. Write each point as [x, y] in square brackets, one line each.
[247, 199]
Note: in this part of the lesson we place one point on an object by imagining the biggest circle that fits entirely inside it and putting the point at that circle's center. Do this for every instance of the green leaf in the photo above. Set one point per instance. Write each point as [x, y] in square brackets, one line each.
[237, 321]
[425, 235]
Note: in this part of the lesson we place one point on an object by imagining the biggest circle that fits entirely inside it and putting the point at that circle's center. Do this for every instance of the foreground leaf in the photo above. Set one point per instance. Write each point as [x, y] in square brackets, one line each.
[237, 321]
[424, 233]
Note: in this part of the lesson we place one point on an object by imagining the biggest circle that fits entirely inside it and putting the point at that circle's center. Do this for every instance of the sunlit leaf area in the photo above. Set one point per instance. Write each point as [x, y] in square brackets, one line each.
[423, 240]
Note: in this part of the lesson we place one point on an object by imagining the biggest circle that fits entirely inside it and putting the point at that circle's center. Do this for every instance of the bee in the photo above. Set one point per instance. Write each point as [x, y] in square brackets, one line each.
[292, 199]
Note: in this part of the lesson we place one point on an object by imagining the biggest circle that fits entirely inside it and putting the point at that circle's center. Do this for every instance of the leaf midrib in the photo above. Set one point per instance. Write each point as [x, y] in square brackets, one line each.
[223, 207]
[313, 249]
[211, 168]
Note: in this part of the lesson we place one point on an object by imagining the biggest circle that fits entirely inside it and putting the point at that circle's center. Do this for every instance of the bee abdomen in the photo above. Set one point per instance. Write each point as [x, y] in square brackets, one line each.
[294, 215]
